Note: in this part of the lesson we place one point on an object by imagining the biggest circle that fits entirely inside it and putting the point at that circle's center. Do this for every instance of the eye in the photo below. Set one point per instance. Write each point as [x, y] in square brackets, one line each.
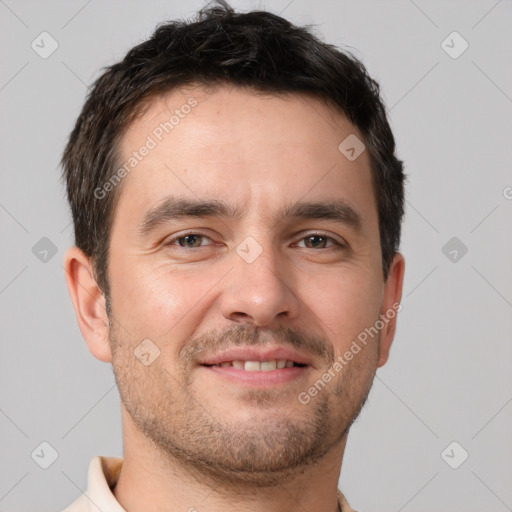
[188, 240]
[318, 240]
[312, 241]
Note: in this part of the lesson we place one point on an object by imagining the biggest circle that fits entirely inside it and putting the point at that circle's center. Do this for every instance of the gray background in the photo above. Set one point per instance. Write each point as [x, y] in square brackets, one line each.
[448, 378]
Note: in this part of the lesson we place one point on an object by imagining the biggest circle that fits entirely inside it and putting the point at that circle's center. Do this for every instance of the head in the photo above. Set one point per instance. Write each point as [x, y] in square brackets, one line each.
[216, 208]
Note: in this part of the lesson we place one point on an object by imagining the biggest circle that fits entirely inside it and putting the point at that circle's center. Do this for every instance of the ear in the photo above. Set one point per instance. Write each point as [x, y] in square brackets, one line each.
[89, 303]
[390, 306]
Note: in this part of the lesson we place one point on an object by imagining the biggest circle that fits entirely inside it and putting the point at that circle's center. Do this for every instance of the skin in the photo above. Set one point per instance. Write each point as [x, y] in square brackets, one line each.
[192, 438]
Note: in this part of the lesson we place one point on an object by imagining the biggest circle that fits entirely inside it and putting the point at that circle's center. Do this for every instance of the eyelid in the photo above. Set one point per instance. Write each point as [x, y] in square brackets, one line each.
[299, 236]
[337, 240]
[177, 236]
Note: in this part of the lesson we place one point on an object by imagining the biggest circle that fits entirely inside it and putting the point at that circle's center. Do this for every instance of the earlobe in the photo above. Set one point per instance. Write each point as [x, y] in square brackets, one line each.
[88, 302]
[390, 306]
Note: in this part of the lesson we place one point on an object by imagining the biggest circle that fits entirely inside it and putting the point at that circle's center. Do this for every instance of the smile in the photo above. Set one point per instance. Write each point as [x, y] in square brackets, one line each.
[258, 366]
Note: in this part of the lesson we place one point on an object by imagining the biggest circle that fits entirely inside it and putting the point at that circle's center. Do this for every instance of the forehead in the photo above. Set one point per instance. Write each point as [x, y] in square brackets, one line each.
[257, 150]
[227, 115]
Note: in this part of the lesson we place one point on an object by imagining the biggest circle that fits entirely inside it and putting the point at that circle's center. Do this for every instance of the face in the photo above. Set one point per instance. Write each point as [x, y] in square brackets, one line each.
[283, 264]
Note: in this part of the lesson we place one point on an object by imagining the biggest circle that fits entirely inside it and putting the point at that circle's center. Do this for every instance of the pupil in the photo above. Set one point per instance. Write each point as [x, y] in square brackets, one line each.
[187, 238]
[315, 237]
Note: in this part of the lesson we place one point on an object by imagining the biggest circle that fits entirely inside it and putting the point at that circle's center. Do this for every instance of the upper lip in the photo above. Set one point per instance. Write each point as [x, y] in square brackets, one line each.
[256, 354]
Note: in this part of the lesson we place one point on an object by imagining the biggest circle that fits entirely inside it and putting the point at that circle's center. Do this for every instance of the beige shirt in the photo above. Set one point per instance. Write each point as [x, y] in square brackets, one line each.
[102, 477]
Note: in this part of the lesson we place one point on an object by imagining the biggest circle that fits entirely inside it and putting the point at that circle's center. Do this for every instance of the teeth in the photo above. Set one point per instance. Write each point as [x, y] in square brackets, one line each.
[252, 366]
[257, 366]
[268, 365]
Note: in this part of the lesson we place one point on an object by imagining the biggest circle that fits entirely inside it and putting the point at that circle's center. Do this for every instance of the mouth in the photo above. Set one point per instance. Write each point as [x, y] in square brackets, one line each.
[258, 366]
[258, 373]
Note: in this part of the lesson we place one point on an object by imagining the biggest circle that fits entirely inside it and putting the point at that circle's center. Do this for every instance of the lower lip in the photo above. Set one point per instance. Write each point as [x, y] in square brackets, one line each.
[259, 378]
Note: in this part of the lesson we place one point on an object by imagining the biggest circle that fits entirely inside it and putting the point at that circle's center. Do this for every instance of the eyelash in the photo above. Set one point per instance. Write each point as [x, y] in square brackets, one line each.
[171, 241]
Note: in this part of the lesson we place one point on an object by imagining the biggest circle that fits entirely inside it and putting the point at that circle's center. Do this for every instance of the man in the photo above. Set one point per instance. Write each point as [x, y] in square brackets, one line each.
[237, 207]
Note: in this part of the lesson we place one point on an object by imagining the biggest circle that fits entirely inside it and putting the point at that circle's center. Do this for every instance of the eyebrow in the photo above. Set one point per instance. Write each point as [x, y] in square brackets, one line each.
[173, 208]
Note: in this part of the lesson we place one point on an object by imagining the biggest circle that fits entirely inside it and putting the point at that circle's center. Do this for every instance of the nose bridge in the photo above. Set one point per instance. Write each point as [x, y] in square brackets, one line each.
[257, 290]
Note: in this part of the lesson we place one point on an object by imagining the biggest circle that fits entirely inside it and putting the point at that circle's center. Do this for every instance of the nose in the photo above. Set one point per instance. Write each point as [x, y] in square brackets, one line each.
[260, 292]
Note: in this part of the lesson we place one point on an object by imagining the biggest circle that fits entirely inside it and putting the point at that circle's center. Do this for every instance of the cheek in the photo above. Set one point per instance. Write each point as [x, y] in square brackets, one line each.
[347, 305]
[159, 302]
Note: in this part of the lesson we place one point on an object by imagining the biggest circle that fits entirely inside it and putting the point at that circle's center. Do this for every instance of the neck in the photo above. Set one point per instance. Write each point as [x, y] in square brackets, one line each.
[149, 477]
